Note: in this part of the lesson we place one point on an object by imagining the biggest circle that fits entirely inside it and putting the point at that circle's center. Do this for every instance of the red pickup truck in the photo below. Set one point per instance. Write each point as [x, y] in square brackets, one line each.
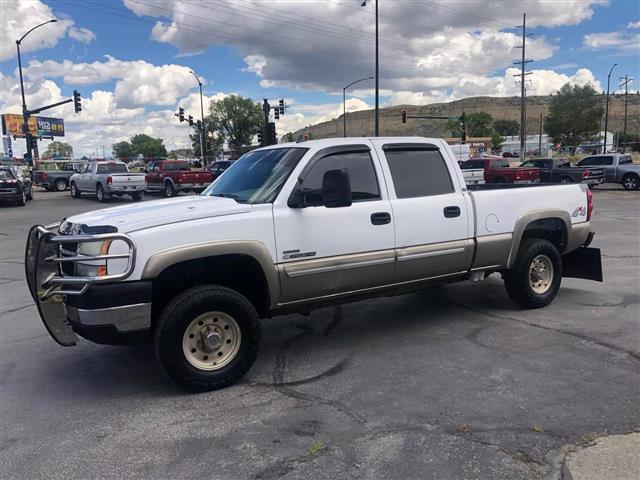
[173, 176]
[497, 170]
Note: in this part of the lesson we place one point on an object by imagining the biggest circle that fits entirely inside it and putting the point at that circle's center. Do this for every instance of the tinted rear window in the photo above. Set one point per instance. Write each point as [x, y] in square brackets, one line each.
[625, 159]
[112, 168]
[176, 166]
[469, 164]
[418, 173]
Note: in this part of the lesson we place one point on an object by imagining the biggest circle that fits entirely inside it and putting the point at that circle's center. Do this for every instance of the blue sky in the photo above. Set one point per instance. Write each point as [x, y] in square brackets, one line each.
[130, 58]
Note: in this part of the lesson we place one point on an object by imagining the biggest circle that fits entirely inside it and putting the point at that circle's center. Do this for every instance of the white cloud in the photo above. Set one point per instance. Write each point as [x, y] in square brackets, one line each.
[138, 82]
[624, 41]
[17, 17]
[634, 24]
[324, 45]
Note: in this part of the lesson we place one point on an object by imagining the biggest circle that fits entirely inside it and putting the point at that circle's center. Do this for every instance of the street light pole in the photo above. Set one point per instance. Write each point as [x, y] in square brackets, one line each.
[606, 111]
[202, 144]
[377, 109]
[25, 112]
[344, 103]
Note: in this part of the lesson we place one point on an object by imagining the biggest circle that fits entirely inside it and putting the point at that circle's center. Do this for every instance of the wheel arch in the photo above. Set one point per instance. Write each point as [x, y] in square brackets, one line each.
[245, 266]
[553, 225]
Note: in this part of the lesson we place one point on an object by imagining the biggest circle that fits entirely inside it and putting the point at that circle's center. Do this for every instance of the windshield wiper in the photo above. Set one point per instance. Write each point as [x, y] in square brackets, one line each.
[224, 195]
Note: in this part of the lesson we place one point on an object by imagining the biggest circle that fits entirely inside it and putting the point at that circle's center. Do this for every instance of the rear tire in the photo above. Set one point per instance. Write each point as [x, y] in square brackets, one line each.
[60, 185]
[169, 190]
[214, 314]
[534, 279]
[137, 196]
[630, 182]
[100, 195]
[75, 193]
[566, 180]
[499, 180]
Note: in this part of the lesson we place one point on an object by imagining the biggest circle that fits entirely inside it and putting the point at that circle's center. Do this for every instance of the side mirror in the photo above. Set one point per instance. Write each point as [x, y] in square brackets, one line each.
[336, 189]
[146, 170]
[296, 199]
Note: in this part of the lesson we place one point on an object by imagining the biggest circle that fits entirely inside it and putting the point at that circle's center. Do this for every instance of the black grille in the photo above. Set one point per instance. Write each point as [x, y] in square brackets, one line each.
[68, 250]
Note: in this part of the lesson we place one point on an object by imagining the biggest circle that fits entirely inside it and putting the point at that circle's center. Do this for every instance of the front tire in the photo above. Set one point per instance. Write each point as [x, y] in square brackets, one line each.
[565, 180]
[21, 199]
[534, 279]
[207, 338]
[30, 194]
[630, 182]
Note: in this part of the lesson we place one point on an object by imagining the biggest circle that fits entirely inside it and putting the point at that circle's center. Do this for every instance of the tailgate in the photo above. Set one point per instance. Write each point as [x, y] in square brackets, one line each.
[127, 179]
[196, 177]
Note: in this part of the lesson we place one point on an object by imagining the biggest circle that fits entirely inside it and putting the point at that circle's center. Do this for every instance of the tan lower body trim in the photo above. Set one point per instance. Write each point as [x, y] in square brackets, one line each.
[492, 251]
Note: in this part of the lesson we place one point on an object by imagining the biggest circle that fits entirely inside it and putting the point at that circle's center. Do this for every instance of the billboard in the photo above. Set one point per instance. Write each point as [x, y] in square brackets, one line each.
[38, 126]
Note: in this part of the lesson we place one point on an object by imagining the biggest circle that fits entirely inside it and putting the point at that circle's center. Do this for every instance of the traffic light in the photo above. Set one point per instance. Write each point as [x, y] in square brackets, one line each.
[181, 114]
[404, 116]
[280, 108]
[77, 101]
[33, 142]
[190, 121]
[199, 125]
[260, 137]
[271, 134]
[276, 113]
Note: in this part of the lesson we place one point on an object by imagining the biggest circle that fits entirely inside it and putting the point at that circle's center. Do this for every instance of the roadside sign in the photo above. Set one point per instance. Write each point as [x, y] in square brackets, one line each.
[38, 126]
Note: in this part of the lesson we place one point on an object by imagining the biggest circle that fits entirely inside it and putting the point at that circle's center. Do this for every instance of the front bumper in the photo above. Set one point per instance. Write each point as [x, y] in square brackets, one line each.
[52, 290]
[8, 192]
[537, 180]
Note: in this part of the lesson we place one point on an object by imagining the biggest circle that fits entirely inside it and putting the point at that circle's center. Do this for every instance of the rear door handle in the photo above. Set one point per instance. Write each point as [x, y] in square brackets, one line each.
[380, 218]
[451, 212]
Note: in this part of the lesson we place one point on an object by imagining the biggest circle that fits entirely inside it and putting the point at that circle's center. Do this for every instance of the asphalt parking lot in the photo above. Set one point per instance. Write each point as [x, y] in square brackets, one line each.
[451, 383]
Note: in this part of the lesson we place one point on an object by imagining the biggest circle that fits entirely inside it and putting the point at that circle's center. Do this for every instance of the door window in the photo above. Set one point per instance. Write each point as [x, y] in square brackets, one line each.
[364, 183]
[418, 173]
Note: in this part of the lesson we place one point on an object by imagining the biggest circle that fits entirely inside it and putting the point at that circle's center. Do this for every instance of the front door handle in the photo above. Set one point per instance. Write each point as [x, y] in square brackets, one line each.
[450, 212]
[380, 218]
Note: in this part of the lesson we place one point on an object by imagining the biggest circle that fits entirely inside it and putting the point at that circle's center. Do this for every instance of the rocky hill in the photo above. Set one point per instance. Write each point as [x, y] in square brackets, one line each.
[361, 123]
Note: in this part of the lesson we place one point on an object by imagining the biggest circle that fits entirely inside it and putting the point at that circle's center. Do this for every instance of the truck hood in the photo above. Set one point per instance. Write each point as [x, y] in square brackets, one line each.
[137, 216]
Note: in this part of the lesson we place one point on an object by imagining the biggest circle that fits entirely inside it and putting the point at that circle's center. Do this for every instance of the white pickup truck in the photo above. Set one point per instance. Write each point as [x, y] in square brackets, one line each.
[292, 227]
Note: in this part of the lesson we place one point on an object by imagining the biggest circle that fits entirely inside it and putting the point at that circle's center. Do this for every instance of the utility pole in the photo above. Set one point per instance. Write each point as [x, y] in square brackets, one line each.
[377, 108]
[627, 80]
[203, 146]
[344, 104]
[606, 111]
[523, 98]
[540, 137]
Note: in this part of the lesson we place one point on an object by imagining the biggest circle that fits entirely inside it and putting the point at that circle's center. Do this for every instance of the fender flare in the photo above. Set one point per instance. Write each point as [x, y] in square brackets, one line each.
[160, 261]
[525, 220]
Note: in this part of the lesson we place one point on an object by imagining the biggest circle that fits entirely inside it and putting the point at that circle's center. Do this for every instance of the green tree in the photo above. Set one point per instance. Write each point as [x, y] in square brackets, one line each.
[479, 124]
[59, 150]
[289, 136]
[214, 143]
[506, 128]
[123, 151]
[574, 115]
[147, 146]
[234, 120]
[496, 141]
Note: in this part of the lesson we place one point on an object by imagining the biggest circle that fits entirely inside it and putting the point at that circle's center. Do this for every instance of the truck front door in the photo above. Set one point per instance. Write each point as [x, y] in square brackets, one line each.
[326, 251]
[432, 217]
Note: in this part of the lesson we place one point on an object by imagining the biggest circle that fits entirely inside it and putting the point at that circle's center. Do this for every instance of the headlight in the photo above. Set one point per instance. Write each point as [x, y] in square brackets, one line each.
[95, 268]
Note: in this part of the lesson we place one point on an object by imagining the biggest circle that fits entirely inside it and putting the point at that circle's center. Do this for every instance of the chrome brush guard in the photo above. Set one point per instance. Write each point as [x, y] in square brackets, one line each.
[44, 257]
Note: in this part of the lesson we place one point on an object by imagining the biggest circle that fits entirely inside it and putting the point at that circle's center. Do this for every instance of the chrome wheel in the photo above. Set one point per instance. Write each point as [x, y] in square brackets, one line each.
[211, 341]
[541, 274]
[630, 182]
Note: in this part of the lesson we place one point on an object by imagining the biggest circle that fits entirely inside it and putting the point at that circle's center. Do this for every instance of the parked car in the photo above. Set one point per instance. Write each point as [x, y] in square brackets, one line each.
[217, 168]
[107, 178]
[497, 170]
[56, 178]
[618, 168]
[507, 155]
[14, 185]
[291, 228]
[554, 170]
[173, 176]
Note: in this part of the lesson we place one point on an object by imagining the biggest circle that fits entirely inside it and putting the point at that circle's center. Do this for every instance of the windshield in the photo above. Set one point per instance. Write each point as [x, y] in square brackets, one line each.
[6, 174]
[258, 176]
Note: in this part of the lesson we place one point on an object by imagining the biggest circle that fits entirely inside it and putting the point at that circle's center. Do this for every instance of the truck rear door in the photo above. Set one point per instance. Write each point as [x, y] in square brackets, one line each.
[432, 215]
